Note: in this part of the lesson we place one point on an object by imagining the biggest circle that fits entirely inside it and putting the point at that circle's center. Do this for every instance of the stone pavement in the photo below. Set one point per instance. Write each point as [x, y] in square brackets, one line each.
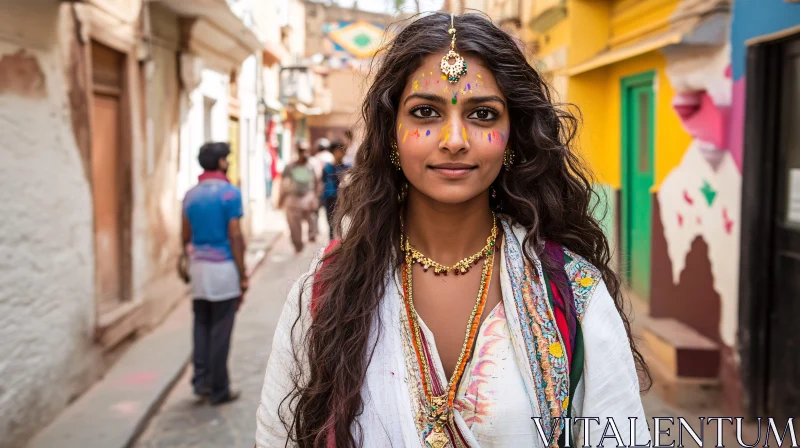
[182, 421]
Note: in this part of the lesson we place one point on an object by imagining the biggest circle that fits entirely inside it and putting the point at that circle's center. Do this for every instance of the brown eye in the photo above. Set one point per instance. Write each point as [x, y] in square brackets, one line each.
[483, 114]
[424, 112]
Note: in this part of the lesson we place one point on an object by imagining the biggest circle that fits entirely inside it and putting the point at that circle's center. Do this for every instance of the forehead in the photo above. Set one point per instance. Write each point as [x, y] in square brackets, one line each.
[429, 78]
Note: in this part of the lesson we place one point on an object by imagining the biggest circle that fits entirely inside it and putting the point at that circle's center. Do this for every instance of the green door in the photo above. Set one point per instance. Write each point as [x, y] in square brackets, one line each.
[637, 179]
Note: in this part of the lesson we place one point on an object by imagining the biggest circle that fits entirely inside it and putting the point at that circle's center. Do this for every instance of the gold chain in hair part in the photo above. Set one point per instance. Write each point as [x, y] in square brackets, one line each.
[458, 68]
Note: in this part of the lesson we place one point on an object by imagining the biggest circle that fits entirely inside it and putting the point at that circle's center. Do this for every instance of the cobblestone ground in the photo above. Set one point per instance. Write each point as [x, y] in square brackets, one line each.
[182, 421]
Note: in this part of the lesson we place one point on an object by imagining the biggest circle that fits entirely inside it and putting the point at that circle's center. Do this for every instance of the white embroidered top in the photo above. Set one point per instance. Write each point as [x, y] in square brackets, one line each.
[491, 399]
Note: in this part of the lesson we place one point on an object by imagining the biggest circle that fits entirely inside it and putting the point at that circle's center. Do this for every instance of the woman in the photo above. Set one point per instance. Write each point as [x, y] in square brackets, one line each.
[470, 302]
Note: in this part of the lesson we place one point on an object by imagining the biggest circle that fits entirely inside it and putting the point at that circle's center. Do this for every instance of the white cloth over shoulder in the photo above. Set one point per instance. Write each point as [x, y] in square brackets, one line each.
[609, 387]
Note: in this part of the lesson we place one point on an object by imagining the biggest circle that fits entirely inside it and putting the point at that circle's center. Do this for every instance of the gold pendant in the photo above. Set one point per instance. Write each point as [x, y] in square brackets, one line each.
[437, 438]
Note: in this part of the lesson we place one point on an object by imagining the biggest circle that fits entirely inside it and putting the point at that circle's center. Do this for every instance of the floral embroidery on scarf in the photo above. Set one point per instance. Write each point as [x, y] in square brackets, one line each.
[540, 333]
[584, 279]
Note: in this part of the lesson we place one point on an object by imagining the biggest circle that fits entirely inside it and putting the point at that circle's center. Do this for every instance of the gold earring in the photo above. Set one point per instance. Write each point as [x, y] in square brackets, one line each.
[394, 156]
[401, 196]
[508, 158]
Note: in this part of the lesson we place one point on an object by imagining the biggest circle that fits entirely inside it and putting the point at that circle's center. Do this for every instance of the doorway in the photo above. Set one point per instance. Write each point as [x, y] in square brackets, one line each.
[770, 267]
[109, 163]
[637, 180]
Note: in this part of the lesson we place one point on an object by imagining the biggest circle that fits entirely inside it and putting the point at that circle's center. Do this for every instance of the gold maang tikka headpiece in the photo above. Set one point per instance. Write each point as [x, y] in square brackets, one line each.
[458, 68]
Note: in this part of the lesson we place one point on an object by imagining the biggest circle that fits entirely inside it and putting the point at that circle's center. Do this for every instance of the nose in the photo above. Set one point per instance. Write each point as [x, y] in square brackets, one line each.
[454, 136]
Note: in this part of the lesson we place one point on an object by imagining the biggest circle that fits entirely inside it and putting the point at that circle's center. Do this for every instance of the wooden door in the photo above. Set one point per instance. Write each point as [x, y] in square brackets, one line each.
[637, 180]
[783, 340]
[107, 148]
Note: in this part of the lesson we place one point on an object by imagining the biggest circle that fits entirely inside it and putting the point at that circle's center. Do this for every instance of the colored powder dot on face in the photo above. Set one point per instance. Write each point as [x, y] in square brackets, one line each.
[479, 76]
[490, 137]
[444, 77]
[431, 73]
[416, 84]
[455, 98]
[469, 87]
[464, 133]
[427, 133]
[400, 126]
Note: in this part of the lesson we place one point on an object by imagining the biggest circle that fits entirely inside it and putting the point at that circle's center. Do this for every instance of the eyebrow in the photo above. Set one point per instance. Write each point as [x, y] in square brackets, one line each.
[484, 99]
[425, 96]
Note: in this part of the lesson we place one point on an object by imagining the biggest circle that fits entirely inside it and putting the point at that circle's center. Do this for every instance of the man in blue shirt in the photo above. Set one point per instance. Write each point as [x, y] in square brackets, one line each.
[212, 233]
[332, 176]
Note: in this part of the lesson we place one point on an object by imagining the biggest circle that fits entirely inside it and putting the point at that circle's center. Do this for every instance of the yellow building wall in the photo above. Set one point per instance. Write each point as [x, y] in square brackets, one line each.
[554, 38]
[589, 29]
[632, 20]
[598, 94]
[587, 91]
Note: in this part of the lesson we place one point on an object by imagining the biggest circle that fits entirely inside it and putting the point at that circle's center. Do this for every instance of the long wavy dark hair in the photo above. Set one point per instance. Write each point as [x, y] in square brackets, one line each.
[548, 192]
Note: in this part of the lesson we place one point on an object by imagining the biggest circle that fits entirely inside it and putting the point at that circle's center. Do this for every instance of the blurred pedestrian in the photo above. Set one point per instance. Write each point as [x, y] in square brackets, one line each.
[211, 214]
[299, 195]
[332, 176]
[320, 157]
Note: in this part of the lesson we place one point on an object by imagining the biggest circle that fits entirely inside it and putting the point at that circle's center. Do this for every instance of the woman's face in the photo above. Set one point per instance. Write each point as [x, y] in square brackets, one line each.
[451, 137]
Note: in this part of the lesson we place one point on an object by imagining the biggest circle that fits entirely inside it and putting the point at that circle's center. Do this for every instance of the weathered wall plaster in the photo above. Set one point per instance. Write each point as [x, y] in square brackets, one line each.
[46, 256]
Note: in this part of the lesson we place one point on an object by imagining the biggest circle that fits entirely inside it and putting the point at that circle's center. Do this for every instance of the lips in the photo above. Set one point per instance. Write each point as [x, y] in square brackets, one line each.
[453, 170]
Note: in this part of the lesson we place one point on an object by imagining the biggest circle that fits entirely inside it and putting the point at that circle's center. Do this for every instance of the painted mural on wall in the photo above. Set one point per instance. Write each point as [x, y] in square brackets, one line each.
[353, 40]
[701, 196]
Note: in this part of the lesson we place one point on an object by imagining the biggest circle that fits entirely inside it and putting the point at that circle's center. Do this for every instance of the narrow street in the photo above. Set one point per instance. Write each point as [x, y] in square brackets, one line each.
[182, 421]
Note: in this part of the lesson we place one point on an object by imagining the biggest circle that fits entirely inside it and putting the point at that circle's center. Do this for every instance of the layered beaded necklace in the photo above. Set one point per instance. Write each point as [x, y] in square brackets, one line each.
[438, 412]
[460, 267]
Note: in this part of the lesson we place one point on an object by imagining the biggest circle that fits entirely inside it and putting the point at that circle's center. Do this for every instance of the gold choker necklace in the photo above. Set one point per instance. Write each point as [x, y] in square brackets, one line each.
[462, 266]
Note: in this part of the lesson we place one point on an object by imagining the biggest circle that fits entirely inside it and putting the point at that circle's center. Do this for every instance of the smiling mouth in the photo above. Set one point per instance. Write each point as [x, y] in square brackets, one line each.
[453, 169]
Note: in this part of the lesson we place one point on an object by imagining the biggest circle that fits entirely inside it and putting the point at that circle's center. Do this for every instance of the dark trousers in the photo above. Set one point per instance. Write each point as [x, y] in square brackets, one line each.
[330, 207]
[213, 324]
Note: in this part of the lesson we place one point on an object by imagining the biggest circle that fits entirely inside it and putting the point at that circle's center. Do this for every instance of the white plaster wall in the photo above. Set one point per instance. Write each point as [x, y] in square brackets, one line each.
[46, 255]
[213, 85]
[251, 160]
